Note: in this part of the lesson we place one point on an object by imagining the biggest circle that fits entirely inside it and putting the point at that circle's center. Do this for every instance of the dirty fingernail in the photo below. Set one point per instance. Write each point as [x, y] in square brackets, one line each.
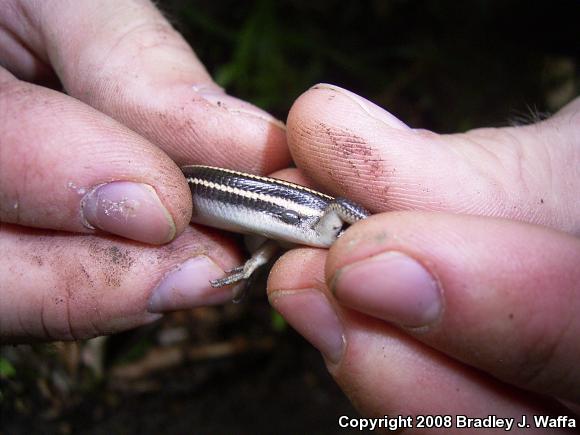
[370, 108]
[310, 313]
[128, 209]
[188, 287]
[390, 286]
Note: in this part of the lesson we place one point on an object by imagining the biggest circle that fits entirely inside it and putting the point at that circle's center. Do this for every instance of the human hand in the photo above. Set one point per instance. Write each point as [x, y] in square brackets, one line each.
[101, 161]
[464, 297]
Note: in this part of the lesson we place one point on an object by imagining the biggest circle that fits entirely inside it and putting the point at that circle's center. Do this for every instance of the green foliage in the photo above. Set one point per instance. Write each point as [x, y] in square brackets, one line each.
[444, 65]
[278, 322]
[7, 370]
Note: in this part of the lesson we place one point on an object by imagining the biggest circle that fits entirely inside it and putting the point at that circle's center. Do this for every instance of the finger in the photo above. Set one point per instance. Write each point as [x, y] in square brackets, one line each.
[65, 166]
[15, 52]
[382, 370]
[528, 173]
[58, 286]
[126, 60]
[499, 295]
[293, 175]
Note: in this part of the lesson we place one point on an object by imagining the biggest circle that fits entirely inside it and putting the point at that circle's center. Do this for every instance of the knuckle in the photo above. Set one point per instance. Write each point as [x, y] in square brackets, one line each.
[62, 319]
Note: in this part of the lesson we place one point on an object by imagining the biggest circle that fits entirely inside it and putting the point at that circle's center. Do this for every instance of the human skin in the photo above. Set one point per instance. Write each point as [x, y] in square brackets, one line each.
[90, 179]
[461, 295]
[478, 235]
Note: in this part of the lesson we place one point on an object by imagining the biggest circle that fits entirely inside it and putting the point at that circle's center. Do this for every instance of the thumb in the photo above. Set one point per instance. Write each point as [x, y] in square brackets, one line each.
[529, 173]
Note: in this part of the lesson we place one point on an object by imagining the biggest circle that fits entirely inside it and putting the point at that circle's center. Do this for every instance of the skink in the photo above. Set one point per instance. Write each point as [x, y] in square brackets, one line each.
[283, 213]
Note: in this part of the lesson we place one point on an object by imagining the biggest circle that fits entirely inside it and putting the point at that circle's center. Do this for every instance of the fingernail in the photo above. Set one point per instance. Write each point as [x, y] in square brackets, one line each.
[235, 106]
[374, 111]
[128, 209]
[188, 287]
[390, 286]
[310, 313]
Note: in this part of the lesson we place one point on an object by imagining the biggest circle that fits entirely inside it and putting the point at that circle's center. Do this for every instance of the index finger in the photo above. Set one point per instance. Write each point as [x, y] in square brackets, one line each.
[126, 60]
[527, 173]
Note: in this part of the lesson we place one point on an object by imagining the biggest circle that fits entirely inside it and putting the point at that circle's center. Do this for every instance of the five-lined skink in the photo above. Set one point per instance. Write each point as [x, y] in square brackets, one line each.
[283, 213]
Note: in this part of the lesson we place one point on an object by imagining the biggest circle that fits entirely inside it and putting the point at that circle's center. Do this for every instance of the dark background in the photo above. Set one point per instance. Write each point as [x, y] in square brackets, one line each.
[443, 65]
[447, 66]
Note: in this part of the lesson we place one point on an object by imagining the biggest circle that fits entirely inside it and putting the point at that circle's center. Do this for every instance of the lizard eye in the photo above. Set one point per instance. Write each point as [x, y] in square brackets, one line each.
[290, 217]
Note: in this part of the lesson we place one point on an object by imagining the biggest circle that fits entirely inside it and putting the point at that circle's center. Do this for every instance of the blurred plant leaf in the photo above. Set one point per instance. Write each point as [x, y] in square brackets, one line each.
[279, 324]
[7, 370]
